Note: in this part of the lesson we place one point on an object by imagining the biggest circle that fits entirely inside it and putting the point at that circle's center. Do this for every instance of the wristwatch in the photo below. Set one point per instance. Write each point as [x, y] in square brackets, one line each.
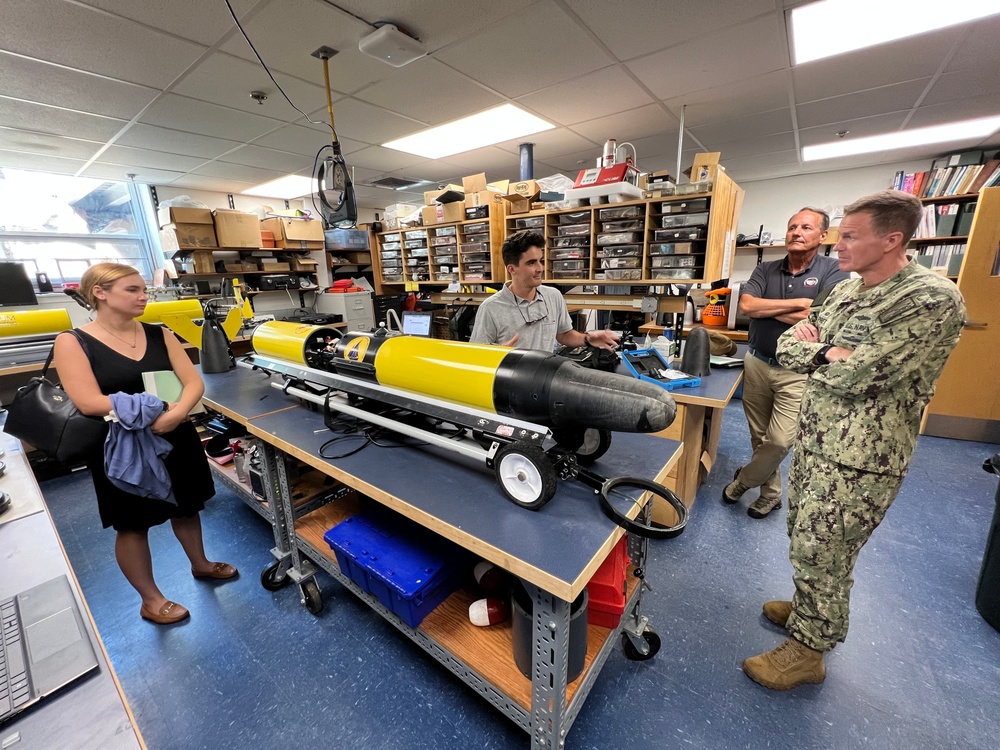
[820, 358]
[586, 339]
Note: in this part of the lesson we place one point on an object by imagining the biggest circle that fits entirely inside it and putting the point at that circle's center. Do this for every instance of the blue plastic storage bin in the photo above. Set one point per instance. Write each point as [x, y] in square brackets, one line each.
[408, 570]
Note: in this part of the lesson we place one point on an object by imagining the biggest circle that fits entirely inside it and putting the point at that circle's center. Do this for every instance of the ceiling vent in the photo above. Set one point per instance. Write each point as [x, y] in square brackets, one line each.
[396, 183]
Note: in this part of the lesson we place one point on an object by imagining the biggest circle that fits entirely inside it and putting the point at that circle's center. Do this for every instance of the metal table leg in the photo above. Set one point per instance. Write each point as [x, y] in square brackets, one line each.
[549, 666]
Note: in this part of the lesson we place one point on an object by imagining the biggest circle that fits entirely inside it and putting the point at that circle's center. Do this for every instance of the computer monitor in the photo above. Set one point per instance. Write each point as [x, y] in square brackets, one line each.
[417, 323]
[15, 287]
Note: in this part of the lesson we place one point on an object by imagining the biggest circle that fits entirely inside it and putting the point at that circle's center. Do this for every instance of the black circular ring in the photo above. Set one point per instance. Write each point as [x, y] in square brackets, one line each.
[634, 526]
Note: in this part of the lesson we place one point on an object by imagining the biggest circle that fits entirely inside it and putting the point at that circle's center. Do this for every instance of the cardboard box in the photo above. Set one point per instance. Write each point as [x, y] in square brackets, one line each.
[522, 194]
[298, 262]
[174, 237]
[229, 267]
[396, 210]
[266, 238]
[275, 266]
[607, 175]
[706, 166]
[249, 264]
[183, 215]
[474, 183]
[295, 234]
[443, 213]
[526, 188]
[204, 261]
[236, 228]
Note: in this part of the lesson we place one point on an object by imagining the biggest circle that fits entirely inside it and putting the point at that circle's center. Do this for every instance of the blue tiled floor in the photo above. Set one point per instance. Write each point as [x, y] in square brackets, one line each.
[253, 669]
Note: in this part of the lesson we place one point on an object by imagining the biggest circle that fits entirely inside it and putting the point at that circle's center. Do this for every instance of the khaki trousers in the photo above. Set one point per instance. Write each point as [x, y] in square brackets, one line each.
[771, 399]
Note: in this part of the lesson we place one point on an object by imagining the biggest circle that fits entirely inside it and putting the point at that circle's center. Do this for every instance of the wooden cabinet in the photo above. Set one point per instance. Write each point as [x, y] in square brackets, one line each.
[966, 404]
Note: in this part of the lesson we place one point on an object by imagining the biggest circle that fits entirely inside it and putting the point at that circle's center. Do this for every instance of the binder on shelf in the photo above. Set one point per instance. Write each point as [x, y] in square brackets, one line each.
[965, 215]
[947, 214]
[991, 168]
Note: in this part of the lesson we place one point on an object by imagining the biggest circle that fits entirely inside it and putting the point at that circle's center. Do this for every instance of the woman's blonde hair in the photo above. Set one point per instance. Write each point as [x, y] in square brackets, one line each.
[103, 275]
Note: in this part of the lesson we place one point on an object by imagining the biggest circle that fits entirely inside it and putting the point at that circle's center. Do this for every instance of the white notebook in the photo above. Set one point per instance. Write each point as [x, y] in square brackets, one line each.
[166, 386]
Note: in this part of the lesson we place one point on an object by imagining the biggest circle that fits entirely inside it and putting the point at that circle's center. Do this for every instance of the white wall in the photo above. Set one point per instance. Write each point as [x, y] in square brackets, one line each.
[773, 202]
[249, 203]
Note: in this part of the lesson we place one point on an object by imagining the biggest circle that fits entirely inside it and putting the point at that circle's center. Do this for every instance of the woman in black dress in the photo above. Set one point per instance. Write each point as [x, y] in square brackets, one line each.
[119, 350]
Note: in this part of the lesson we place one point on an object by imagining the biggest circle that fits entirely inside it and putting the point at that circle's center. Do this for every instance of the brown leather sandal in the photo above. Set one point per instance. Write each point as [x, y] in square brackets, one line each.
[168, 613]
[220, 570]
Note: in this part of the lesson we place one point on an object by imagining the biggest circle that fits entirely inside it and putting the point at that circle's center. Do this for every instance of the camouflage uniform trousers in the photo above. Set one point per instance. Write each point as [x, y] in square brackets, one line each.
[832, 511]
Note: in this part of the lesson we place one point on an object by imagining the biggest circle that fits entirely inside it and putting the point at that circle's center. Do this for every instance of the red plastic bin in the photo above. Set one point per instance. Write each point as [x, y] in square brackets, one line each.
[607, 588]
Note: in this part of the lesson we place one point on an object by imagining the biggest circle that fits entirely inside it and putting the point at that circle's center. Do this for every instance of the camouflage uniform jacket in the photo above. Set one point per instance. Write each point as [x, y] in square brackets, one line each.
[864, 412]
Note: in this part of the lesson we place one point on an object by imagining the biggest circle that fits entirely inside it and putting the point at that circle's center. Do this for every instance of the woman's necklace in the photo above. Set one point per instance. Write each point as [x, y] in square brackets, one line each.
[135, 334]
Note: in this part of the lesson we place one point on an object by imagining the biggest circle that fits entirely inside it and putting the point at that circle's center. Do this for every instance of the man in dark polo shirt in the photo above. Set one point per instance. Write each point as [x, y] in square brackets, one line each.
[778, 295]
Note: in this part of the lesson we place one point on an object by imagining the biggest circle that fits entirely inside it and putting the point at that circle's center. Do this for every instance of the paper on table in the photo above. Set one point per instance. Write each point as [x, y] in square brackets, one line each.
[166, 386]
[719, 361]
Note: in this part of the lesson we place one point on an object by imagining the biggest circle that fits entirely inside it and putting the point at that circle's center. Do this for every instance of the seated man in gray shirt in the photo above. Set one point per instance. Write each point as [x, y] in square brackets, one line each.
[525, 314]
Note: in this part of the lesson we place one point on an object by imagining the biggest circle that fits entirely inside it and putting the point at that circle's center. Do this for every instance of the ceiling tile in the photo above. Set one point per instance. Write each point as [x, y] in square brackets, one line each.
[44, 119]
[743, 128]
[237, 172]
[489, 159]
[241, 77]
[361, 121]
[41, 82]
[118, 172]
[624, 126]
[550, 143]
[858, 128]
[286, 33]
[747, 167]
[979, 47]
[530, 59]
[298, 140]
[174, 141]
[12, 139]
[195, 116]
[430, 91]
[126, 155]
[267, 158]
[39, 163]
[753, 146]
[758, 94]
[596, 94]
[191, 19]
[637, 27]
[936, 114]
[430, 169]
[714, 58]
[965, 84]
[149, 57]
[200, 182]
[384, 159]
[894, 98]
[902, 60]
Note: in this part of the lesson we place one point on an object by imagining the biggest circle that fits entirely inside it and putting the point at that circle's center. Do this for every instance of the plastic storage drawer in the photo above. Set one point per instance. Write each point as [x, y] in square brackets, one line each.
[620, 262]
[674, 273]
[629, 225]
[416, 234]
[406, 570]
[444, 239]
[573, 230]
[685, 220]
[420, 252]
[582, 274]
[390, 238]
[623, 274]
[411, 244]
[673, 261]
[569, 265]
[444, 231]
[619, 251]
[446, 259]
[619, 238]
[392, 245]
[582, 241]
[445, 276]
[684, 207]
[479, 226]
[671, 248]
[679, 235]
[392, 278]
[577, 217]
[392, 262]
[475, 247]
[530, 222]
[571, 253]
[390, 254]
[693, 188]
[476, 238]
[625, 212]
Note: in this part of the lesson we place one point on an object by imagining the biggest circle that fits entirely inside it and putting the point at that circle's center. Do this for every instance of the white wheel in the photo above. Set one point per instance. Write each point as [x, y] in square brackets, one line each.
[525, 475]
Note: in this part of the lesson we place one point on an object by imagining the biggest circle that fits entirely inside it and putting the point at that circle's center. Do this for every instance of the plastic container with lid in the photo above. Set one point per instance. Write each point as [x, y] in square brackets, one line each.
[476, 227]
[530, 222]
[414, 234]
[480, 237]
[394, 237]
[410, 244]
[569, 265]
[475, 247]
[622, 212]
[389, 254]
[674, 273]
[694, 187]
[443, 240]
[574, 230]
[580, 241]
[577, 217]
[619, 251]
[685, 220]
[620, 262]
[446, 259]
[684, 207]
[582, 274]
[391, 245]
[671, 248]
[626, 225]
[679, 235]
[622, 274]
[445, 231]
[673, 261]
[619, 238]
[571, 253]
[417, 253]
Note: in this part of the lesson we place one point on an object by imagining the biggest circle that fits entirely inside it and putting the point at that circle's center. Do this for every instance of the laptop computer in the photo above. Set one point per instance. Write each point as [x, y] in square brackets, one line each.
[44, 645]
[417, 323]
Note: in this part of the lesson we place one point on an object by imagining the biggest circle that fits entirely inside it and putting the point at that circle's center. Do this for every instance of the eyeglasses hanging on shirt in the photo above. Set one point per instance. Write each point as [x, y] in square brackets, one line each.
[536, 304]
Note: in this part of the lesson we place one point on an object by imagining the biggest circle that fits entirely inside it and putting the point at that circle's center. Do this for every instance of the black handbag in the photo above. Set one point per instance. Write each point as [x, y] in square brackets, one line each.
[44, 416]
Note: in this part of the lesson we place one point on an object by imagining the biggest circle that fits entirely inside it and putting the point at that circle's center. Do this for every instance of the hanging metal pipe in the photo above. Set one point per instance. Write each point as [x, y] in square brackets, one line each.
[680, 145]
[527, 160]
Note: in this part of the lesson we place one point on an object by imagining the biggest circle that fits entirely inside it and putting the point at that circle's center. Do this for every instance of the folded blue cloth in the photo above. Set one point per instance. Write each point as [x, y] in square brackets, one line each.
[133, 455]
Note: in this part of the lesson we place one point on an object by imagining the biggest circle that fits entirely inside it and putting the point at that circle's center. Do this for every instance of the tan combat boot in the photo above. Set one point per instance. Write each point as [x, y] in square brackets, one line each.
[778, 612]
[789, 665]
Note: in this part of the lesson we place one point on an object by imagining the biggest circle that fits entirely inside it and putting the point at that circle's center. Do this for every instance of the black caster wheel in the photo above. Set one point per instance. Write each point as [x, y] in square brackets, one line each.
[525, 475]
[595, 444]
[311, 597]
[270, 579]
[652, 639]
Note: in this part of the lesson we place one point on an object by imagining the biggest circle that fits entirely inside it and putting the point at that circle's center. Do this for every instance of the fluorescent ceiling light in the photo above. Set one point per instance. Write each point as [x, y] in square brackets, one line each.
[289, 186]
[495, 125]
[955, 131]
[832, 27]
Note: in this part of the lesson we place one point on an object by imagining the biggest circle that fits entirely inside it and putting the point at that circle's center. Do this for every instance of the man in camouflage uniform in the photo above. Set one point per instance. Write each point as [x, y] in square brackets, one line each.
[873, 349]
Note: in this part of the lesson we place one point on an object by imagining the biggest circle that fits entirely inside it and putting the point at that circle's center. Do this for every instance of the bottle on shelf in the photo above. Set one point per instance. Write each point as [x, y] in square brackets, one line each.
[610, 147]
